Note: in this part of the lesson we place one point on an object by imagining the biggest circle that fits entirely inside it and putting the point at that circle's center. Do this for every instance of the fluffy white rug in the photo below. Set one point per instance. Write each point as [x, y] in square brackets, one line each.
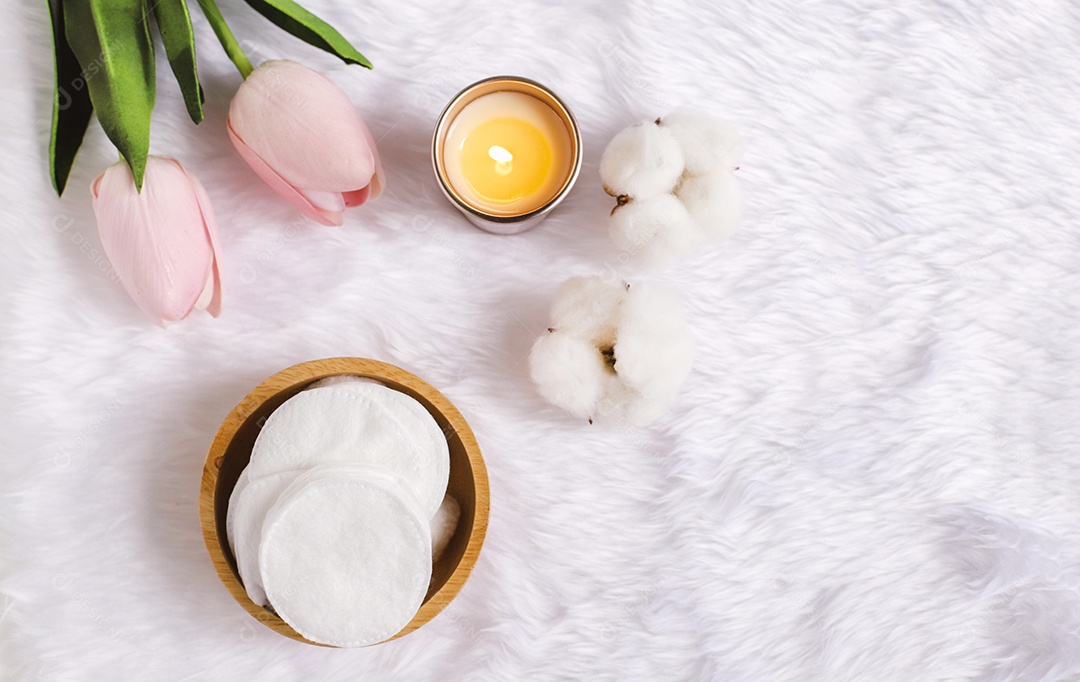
[873, 472]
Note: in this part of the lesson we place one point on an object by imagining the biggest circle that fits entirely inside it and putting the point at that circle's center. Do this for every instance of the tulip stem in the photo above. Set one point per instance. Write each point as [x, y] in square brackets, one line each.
[225, 37]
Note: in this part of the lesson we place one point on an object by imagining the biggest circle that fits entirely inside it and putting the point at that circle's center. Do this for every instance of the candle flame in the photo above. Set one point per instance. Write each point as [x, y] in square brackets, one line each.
[502, 157]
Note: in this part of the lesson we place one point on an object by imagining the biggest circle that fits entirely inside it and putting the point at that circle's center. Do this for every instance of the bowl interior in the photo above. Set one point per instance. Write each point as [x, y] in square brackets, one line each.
[467, 482]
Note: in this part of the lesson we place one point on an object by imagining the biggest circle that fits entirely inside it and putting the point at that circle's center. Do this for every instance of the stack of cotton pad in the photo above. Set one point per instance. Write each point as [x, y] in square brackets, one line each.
[331, 523]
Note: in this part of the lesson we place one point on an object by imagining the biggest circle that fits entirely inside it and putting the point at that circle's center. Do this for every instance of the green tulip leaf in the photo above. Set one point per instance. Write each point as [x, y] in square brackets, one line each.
[174, 23]
[111, 39]
[293, 18]
[71, 109]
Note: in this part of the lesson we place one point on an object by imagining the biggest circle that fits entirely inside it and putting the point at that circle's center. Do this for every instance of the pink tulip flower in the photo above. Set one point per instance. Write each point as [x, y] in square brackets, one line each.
[162, 242]
[300, 133]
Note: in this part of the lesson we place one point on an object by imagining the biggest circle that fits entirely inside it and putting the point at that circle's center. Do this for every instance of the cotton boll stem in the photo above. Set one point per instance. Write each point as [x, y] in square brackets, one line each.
[620, 201]
[608, 353]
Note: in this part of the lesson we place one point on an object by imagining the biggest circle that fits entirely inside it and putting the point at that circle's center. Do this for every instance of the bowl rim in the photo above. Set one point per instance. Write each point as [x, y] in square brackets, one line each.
[307, 372]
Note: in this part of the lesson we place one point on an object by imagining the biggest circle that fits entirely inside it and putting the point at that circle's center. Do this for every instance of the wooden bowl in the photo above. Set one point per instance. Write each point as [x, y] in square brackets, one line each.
[231, 450]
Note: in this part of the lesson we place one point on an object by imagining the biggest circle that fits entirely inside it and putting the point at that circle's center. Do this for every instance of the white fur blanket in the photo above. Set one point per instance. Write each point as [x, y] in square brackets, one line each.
[873, 472]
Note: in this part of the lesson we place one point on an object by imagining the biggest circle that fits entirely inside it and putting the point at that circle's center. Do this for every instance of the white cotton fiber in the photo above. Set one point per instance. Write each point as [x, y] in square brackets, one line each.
[341, 425]
[707, 143]
[230, 515]
[714, 201]
[654, 347]
[641, 161]
[589, 307]
[611, 409]
[248, 507]
[443, 526]
[345, 558]
[569, 371]
[431, 451]
[656, 231]
[628, 379]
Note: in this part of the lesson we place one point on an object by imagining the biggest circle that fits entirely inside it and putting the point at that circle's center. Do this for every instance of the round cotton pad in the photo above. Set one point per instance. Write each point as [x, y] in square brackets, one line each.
[443, 526]
[352, 472]
[231, 513]
[340, 425]
[345, 560]
[248, 507]
[433, 453]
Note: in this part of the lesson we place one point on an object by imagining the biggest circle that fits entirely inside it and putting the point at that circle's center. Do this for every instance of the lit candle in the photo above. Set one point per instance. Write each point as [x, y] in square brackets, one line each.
[506, 151]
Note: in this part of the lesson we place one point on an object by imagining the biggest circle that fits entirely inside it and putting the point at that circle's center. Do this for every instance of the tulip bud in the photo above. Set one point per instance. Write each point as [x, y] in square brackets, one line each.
[162, 242]
[300, 133]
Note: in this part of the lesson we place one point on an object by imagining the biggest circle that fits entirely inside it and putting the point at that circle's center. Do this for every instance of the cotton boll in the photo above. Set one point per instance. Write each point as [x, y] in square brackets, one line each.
[443, 525]
[714, 201]
[655, 231]
[569, 372]
[628, 378]
[707, 143]
[588, 307]
[654, 348]
[641, 161]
